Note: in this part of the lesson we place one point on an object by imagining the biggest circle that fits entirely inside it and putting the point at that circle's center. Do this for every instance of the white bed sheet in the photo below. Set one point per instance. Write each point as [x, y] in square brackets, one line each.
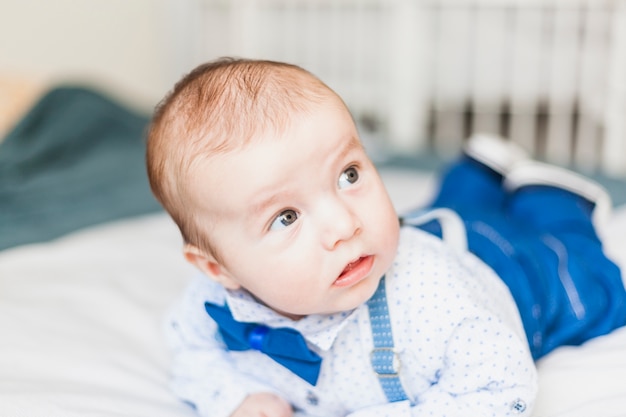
[81, 320]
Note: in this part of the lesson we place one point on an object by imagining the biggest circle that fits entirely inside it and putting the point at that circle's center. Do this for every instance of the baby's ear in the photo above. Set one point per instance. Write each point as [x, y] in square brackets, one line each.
[209, 266]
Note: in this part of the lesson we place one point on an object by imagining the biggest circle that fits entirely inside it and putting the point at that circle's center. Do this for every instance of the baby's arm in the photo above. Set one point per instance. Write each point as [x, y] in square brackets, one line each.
[487, 372]
[263, 404]
[202, 371]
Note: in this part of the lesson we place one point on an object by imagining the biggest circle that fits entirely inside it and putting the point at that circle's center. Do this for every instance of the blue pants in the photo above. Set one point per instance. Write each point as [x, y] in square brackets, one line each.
[540, 240]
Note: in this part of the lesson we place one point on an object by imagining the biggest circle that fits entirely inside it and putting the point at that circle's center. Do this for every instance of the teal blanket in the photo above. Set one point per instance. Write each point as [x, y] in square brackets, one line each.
[75, 160]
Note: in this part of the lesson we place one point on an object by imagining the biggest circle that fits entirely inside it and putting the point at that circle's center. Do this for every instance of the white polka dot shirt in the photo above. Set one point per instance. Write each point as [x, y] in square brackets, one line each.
[459, 340]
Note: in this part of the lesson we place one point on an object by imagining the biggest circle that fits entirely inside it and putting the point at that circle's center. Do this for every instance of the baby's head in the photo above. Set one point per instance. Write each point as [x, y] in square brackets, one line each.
[219, 107]
[260, 165]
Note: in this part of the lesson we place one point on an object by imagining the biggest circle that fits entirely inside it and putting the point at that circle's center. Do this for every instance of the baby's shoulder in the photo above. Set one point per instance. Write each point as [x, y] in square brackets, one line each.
[430, 272]
[199, 290]
[423, 255]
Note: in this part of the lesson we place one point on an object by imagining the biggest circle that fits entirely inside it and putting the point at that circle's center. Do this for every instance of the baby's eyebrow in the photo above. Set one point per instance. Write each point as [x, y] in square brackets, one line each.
[262, 205]
[352, 144]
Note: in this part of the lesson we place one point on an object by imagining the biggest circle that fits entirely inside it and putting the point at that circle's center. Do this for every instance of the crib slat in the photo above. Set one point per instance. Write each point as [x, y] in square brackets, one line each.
[488, 68]
[406, 88]
[242, 26]
[592, 85]
[562, 87]
[614, 150]
[527, 66]
[451, 80]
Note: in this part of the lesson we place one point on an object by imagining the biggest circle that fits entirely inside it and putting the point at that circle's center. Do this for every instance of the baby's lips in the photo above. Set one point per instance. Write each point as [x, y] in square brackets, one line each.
[355, 271]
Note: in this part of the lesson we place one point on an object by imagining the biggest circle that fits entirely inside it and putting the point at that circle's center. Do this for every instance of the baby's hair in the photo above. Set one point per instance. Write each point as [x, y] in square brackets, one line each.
[218, 107]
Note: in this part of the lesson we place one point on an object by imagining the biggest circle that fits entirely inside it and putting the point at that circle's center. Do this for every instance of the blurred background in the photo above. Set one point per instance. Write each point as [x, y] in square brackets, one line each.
[418, 75]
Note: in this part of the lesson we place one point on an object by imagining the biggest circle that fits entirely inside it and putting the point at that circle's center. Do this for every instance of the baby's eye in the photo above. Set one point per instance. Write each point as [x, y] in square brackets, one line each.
[348, 177]
[284, 219]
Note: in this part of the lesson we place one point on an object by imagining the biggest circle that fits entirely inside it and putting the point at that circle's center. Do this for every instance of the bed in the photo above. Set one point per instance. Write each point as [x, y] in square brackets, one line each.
[89, 265]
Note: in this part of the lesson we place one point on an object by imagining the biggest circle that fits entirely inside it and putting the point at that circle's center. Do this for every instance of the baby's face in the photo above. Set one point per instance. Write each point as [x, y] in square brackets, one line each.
[302, 220]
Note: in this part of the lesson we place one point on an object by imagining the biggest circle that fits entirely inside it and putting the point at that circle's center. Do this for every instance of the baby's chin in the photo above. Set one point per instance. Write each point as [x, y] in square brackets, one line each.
[348, 301]
[360, 295]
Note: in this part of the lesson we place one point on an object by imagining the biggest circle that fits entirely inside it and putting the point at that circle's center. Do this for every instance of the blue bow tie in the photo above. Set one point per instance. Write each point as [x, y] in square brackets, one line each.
[284, 345]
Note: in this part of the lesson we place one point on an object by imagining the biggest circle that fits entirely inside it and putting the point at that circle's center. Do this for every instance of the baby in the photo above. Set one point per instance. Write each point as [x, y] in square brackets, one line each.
[316, 300]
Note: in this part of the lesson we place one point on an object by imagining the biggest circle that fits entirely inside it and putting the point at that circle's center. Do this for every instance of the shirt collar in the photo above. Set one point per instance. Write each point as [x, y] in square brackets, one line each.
[319, 330]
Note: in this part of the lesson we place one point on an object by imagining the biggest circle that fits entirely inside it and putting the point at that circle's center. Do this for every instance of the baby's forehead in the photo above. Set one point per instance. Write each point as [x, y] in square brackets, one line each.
[275, 156]
[241, 133]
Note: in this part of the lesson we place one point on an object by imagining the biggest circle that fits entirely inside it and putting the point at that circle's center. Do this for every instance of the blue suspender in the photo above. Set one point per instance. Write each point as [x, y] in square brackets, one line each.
[384, 360]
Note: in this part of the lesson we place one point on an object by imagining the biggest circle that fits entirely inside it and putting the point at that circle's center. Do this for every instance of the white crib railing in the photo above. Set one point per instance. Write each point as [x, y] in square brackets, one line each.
[549, 74]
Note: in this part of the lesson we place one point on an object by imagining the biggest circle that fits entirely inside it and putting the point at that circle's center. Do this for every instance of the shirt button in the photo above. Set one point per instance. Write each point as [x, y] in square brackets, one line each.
[311, 398]
[518, 406]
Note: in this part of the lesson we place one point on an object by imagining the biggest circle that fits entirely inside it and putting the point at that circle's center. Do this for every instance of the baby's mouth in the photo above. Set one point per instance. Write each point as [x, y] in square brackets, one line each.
[355, 271]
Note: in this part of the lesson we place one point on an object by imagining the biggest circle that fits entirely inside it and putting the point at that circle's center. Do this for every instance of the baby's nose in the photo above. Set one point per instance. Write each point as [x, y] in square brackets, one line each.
[340, 224]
